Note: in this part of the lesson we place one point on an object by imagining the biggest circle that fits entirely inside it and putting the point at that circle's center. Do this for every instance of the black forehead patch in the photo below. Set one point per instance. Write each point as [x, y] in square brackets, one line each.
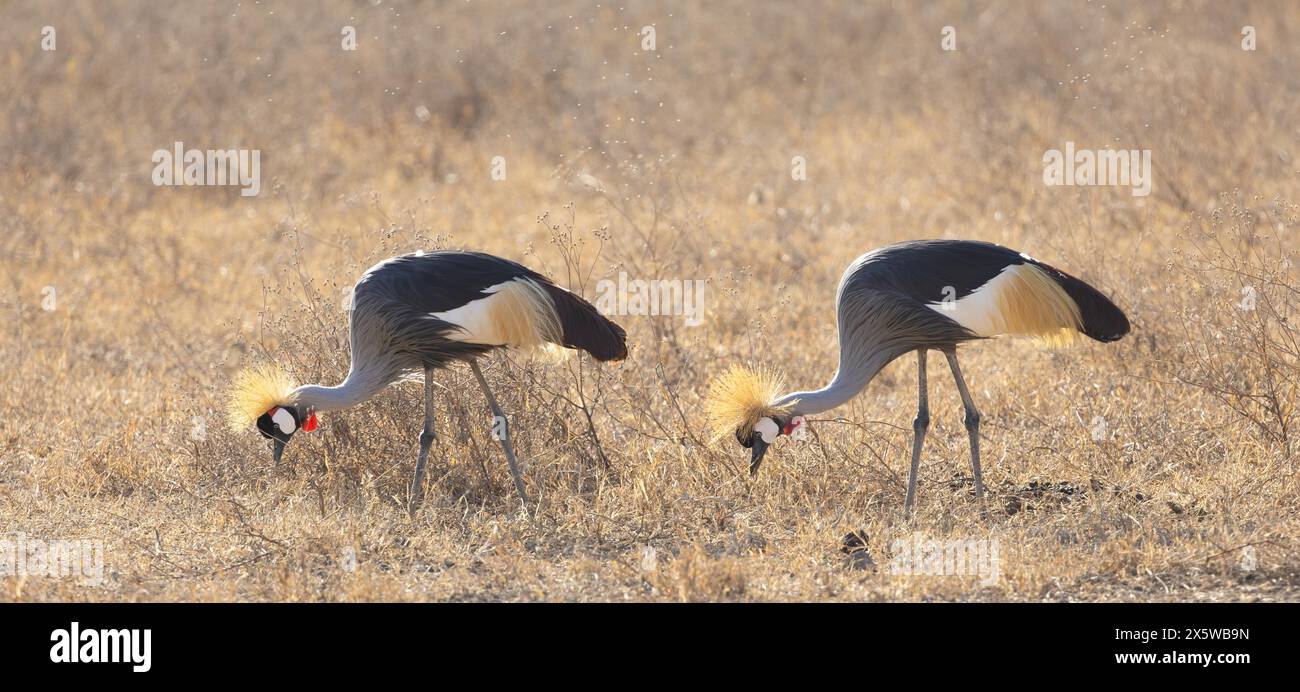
[264, 424]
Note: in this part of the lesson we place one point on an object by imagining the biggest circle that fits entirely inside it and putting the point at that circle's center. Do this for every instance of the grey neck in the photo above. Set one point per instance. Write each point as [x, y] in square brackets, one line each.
[354, 390]
[851, 378]
[842, 388]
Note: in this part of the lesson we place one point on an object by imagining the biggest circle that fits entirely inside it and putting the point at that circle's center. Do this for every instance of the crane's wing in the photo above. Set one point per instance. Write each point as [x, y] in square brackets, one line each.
[462, 303]
[990, 290]
[435, 282]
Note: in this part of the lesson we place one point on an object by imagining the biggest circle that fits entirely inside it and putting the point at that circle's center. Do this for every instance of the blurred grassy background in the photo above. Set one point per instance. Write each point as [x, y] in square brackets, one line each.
[670, 163]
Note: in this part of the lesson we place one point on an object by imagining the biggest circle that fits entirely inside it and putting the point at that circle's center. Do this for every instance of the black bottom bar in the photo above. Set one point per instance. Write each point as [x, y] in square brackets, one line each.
[227, 641]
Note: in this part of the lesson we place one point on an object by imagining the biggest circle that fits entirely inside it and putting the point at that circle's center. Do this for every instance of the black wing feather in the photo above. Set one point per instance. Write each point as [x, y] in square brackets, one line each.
[585, 327]
[932, 271]
[440, 281]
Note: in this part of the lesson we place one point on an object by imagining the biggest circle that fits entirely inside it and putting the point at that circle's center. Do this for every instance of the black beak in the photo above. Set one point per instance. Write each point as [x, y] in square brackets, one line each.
[758, 448]
[279, 449]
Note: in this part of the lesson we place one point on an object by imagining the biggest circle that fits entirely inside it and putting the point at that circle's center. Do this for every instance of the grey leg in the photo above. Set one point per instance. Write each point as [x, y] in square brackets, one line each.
[426, 439]
[505, 440]
[972, 423]
[919, 426]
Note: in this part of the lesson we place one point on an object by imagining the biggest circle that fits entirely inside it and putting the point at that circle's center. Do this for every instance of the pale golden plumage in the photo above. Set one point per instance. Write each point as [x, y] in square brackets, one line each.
[1034, 304]
[255, 391]
[1022, 300]
[739, 397]
[518, 314]
[525, 316]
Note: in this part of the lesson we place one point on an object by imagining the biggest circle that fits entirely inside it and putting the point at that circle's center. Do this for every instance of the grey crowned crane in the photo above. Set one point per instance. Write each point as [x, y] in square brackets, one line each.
[918, 296]
[416, 313]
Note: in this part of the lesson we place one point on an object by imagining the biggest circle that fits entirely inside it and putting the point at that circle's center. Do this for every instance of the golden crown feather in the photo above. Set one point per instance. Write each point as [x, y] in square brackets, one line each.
[739, 397]
[255, 391]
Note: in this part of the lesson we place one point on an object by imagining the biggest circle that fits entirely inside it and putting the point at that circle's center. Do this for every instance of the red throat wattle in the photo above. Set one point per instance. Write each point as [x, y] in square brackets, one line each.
[311, 423]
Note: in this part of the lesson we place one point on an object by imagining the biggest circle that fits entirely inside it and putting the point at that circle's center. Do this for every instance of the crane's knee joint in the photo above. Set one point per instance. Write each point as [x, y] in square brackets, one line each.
[972, 419]
[921, 422]
[426, 438]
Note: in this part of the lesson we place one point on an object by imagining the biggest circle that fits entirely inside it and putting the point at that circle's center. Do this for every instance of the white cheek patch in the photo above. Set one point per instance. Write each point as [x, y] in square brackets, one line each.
[767, 429]
[285, 420]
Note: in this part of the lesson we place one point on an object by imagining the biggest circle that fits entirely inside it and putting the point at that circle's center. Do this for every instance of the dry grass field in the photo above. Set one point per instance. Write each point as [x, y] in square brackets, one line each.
[1162, 467]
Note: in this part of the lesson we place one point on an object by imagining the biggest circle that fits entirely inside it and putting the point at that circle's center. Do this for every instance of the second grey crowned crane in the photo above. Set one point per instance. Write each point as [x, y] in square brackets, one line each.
[919, 296]
[420, 312]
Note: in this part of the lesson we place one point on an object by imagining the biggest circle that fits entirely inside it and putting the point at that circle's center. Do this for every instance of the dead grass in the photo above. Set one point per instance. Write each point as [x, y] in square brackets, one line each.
[1141, 470]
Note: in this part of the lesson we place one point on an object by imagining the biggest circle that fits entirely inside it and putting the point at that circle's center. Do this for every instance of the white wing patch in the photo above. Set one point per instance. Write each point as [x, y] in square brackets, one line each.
[1021, 299]
[475, 319]
[516, 313]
